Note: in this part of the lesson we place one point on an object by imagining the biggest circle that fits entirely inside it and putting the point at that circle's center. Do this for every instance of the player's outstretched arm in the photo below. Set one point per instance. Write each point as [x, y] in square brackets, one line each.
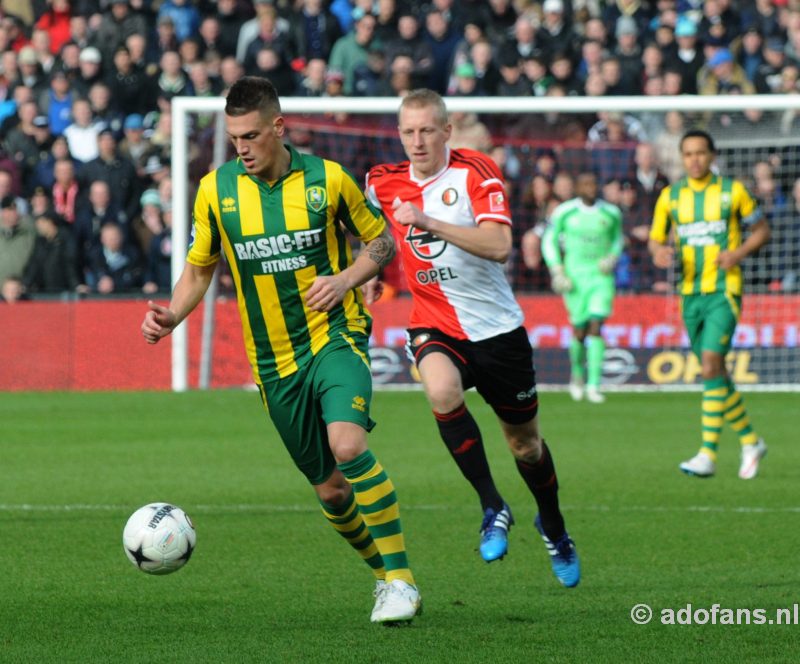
[490, 240]
[159, 321]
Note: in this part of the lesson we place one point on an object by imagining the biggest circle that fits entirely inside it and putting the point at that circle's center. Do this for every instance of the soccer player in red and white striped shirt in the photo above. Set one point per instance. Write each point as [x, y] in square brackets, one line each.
[452, 223]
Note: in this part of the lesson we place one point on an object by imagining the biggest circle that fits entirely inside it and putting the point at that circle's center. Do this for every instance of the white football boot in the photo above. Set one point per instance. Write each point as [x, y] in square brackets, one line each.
[378, 594]
[397, 602]
[751, 455]
[700, 465]
[576, 389]
[593, 395]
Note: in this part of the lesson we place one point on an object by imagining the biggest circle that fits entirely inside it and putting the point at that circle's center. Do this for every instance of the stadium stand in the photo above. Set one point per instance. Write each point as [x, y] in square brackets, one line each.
[86, 88]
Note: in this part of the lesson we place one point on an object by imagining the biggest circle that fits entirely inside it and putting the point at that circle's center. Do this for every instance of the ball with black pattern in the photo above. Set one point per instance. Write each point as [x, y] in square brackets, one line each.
[159, 538]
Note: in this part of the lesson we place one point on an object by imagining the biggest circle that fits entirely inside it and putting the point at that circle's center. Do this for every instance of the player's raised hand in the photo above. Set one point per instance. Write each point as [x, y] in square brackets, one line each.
[326, 292]
[409, 214]
[158, 322]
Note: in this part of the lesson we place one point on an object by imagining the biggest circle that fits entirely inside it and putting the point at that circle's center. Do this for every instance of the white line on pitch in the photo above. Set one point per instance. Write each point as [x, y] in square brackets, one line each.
[248, 507]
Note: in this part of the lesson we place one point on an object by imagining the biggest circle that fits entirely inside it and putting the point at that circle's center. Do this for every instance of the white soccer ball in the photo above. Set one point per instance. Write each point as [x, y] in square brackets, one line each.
[159, 538]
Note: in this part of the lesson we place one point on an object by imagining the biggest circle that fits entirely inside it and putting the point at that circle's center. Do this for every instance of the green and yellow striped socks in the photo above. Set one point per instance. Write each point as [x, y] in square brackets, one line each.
[377, 503]
[736, 415]
[715, 391]
[348, 522]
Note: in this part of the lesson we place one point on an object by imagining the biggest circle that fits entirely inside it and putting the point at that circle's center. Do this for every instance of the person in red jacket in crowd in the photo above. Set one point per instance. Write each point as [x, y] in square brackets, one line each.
[56, 22]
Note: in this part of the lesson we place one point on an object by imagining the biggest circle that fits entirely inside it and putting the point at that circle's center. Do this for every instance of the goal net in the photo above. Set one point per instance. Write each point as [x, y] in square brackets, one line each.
[541, 144]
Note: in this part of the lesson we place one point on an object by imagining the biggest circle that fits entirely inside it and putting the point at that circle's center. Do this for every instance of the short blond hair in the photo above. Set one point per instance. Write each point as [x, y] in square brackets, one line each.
[423, 97]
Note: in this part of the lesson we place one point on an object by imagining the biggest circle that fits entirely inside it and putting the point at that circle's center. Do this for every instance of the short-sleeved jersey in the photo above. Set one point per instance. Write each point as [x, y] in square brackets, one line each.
[707, 217]
[277, 239]
[458, 293]
[585, 233]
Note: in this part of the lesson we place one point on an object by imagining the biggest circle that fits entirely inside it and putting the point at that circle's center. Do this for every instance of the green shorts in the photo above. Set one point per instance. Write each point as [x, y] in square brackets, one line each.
[711, 321]
[335, 386]
[591, 298]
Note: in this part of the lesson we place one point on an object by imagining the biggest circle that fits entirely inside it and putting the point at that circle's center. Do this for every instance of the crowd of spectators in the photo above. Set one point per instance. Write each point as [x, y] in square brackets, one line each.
[86, 89]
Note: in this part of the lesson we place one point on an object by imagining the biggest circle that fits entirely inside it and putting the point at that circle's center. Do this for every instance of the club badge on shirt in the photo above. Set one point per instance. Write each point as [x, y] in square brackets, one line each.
[316, 198]
[420, 339]
[449, 196]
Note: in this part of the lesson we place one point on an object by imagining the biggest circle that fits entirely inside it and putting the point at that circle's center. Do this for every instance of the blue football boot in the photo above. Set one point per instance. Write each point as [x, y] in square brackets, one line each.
[563, 557]
[494, 533]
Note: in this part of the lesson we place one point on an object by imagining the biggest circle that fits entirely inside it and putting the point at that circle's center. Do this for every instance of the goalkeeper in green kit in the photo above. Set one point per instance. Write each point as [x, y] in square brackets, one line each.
[581, 247]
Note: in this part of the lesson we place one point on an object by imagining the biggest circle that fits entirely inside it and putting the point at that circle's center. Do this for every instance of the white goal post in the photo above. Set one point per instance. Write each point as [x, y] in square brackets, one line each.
[184, 107]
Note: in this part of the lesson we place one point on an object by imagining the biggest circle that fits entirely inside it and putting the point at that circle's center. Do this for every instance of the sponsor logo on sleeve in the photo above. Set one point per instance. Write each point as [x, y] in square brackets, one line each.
[497, 201]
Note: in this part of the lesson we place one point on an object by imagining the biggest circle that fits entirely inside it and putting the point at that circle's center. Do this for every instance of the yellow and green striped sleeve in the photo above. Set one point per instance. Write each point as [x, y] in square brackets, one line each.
[659, 231]
[204, 247]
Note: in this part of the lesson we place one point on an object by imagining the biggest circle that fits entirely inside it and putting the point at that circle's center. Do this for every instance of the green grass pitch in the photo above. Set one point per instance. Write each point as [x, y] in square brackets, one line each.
[271, 582]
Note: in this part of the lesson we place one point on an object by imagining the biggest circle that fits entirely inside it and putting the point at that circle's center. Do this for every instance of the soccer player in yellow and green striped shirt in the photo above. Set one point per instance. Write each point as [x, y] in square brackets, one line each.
[707, 215]
[279, 217]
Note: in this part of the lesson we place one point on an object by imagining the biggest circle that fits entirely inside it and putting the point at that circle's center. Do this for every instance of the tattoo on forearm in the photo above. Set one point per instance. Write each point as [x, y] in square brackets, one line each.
[381, 249]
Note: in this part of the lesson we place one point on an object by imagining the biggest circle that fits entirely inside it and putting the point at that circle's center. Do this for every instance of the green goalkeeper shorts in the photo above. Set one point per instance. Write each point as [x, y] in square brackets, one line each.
[711, 321]
[335, 386]
[590, 298]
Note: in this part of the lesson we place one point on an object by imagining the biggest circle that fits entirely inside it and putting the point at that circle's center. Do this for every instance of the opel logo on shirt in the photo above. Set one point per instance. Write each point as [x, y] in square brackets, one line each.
[424, 244]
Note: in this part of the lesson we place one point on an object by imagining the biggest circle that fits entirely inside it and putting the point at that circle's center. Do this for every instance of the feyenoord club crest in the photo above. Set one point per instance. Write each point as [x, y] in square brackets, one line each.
[316, 197]
[449, 196]
[420, 339]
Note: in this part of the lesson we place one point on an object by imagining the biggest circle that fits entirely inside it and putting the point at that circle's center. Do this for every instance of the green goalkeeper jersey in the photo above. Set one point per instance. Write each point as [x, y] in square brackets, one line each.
[579, 236]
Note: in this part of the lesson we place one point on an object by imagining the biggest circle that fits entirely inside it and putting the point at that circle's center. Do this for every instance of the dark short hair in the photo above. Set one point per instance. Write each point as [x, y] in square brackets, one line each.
[699, 133]
[252, 93]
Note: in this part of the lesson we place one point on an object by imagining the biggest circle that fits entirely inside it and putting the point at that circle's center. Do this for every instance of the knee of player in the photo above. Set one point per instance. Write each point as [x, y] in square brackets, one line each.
[347, 440]
[579, 333]
[712, 365]
[445, 398]
[710, 373]
[346, 449]
[335, 496]
[525, 445]
[594, 329]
